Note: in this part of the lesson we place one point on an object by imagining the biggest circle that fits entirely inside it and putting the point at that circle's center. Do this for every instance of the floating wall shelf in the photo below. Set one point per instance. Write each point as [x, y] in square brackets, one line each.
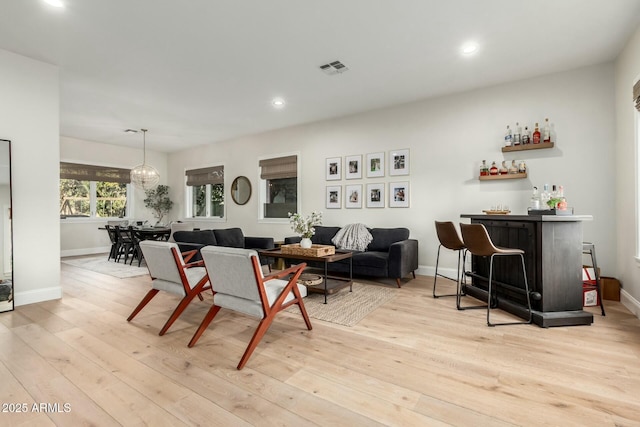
[499, 177]
[528, 147]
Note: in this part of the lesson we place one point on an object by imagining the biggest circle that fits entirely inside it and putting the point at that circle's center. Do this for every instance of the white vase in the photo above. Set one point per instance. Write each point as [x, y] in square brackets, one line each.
[305, 243]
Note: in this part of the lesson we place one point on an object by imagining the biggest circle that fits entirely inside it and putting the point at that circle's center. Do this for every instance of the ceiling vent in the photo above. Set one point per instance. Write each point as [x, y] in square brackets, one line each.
[335, 67]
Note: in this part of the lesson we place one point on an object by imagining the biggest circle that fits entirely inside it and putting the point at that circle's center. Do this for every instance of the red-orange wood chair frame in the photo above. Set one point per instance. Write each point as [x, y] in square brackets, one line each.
[268, 311]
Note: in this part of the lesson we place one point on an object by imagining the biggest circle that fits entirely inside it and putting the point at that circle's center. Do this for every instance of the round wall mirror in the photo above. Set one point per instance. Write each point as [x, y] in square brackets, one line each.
[241, 190]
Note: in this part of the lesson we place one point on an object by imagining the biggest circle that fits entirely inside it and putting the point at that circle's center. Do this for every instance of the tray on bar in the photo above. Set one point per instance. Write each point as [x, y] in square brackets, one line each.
[492, 212]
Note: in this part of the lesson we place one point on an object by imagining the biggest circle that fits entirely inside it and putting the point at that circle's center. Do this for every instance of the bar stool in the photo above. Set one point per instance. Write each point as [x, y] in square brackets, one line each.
[450, 239]
[477, 240]
[589, 248]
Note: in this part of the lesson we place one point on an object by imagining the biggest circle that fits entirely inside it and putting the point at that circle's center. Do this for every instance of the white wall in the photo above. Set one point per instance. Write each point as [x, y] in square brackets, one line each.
[30, 119]
[448, 137]
[81, 236]
[627, 72]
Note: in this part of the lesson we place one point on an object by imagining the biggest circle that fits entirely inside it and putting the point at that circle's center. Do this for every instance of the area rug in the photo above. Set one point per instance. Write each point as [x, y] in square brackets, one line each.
[99, 264]
[344, 307]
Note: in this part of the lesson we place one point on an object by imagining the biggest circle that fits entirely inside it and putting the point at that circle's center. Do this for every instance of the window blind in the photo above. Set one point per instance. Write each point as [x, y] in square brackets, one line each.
[280, 167]
[204, 176]
[82, 172]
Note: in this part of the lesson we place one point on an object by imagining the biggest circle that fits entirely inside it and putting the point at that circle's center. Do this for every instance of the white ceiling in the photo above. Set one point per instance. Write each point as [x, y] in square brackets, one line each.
[199, 71]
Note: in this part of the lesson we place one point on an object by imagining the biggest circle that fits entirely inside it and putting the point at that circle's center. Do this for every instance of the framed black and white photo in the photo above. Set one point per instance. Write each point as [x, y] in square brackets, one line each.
[334, 168]
[353, 167]
[353, 196]
[375, 195]
[399, 194]
[334, 197]
[399, 162]
[375, 165]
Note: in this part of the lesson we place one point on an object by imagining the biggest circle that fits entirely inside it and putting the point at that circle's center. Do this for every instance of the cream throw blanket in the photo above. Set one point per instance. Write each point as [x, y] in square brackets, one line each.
[353, 237]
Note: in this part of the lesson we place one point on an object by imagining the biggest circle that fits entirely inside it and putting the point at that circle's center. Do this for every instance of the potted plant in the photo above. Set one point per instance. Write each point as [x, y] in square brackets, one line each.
[305, 226]
[158, 201]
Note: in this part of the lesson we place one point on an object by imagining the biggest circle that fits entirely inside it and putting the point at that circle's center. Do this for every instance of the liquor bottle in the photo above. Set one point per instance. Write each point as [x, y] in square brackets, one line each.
[517, 135]
[504, 170]
[526, 136]
[508, 138]
[534, 203]
[484, 170]
[522, 167]
[514, 167]
[546, 133]
[562, 204]
[545, 197]
[536, 135]
[553, 197]
[494, 169]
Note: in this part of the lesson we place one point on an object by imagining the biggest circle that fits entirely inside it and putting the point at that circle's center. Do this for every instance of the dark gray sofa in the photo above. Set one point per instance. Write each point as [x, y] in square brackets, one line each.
[229, 237]
[390, 254]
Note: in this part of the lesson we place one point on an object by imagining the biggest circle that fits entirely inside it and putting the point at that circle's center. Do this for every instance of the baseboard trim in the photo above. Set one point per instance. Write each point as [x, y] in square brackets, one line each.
[632, 304]
[85, 251]
[431, 271]
[40, 295]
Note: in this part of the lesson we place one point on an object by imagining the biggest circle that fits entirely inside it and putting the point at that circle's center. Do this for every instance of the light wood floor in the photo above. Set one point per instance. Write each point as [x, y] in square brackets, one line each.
[415, 361]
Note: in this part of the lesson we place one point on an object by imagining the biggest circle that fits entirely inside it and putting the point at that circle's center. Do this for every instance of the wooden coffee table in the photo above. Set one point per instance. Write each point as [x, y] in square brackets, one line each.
[331, 284]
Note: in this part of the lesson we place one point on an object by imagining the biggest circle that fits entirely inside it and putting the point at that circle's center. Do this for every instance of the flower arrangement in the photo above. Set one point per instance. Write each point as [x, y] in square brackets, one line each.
[305, 225]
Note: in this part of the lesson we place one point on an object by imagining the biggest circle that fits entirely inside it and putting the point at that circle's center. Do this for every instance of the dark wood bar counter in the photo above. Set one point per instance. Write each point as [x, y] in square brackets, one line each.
[553, 257]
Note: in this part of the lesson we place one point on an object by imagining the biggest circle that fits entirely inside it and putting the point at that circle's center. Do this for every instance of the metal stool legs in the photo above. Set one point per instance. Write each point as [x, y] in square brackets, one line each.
[477, 240]
[460, 293]
[462, 253]
[526, 288]
[590, 249]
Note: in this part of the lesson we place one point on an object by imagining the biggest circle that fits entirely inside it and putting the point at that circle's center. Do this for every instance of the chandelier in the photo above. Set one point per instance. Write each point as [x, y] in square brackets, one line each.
[144, 176]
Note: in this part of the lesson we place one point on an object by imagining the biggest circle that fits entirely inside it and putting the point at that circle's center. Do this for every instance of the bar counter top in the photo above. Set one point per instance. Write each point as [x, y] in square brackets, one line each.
[532, 218]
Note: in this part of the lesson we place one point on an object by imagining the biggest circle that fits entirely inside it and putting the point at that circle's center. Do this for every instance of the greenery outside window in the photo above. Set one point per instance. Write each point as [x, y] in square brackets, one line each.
[88, 191]
[279, 187]
[205, 192]
[75, 198]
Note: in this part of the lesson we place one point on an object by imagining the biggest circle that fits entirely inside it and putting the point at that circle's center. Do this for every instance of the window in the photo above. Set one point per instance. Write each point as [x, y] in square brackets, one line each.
[278, 187]
[205, 192]
[89, 191]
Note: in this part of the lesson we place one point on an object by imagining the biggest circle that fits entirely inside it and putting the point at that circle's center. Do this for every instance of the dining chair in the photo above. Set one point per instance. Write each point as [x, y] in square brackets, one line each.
[477, 240]
[136, 238]
[239, 284]
[171, 272]
[126, 244]
[113, 237]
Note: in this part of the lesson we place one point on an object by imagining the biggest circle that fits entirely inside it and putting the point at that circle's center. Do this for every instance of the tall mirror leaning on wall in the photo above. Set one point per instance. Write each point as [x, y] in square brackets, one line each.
[6, 246]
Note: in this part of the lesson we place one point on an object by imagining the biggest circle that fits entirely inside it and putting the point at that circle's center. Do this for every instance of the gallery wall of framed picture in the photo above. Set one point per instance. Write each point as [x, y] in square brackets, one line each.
[373, 195]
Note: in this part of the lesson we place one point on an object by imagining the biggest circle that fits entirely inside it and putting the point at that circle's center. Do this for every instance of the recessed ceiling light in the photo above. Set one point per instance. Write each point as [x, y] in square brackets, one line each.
[55, 3]
[278, 102]
[469, 48]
